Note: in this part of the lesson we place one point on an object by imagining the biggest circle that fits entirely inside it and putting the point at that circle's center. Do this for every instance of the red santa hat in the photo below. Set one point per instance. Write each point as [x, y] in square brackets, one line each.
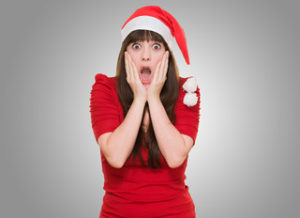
[158, 20]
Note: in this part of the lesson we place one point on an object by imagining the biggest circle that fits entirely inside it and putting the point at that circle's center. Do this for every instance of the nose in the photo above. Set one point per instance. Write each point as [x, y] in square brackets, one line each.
[146, 53]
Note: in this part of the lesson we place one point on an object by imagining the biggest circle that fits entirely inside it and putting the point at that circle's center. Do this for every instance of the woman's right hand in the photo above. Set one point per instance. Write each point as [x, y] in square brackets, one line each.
[133, 79]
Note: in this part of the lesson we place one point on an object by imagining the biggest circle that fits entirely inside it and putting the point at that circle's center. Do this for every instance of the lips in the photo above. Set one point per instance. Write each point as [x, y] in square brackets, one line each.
[145, 74]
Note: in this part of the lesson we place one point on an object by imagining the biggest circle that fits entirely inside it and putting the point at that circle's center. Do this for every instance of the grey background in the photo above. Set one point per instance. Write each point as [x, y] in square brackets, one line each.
[245, 56]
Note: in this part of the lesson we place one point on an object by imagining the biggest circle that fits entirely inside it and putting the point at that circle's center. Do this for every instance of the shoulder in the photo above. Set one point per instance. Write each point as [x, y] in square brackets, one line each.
[104, 82]
[189, 92]
[104, 88]
[104, 79]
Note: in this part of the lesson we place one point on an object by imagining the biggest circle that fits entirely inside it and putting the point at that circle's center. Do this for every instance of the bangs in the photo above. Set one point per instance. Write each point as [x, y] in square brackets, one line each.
[142, 35]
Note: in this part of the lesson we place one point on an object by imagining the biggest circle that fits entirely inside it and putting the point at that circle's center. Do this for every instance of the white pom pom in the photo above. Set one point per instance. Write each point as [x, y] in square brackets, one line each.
[190, 99]
[190, 84]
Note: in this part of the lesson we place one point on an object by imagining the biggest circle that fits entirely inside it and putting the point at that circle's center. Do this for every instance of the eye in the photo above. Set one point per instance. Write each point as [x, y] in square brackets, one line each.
[136, 45]
[156, 46]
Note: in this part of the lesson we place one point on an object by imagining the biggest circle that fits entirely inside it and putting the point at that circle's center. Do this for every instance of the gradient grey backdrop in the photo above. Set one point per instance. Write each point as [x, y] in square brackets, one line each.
[245, 56]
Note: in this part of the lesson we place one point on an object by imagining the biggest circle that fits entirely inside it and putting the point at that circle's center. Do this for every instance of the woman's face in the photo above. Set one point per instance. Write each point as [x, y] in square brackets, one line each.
[146, 56]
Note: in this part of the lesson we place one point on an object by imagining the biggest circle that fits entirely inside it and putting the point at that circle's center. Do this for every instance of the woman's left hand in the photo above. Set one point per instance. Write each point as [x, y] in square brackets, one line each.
[159, 77]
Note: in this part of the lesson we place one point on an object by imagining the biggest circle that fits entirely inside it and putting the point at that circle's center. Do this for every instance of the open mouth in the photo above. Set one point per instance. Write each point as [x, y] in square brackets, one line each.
[145, 75]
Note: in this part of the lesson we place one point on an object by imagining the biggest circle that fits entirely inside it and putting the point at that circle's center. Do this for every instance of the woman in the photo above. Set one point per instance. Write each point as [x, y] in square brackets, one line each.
[145, 120]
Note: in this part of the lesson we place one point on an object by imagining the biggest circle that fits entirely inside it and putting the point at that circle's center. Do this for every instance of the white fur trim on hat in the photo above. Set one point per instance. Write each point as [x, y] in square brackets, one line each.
[148, 23]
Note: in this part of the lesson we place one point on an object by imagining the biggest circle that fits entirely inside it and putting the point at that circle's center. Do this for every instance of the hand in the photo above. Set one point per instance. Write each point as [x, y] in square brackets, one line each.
[133, 78]
[159, 77]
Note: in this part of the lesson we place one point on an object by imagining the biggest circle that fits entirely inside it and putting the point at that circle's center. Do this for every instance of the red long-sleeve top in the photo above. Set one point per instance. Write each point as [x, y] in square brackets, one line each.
[134, 190]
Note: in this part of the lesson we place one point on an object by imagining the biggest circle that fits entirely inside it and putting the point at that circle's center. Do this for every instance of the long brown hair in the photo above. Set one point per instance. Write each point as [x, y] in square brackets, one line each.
[168, 95]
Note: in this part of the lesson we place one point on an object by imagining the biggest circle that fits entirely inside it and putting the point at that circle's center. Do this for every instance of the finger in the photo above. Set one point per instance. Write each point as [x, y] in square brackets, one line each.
[166, 66]
[127, 67]
[162, 67]
[156, 73]
[130, 67]
[134, 71]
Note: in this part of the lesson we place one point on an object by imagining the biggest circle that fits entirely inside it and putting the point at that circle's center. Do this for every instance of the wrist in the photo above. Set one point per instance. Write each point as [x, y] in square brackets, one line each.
[153, 98]
[140, 99]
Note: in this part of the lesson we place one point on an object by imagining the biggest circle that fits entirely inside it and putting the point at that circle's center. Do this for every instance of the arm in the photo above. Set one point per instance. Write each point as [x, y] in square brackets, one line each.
[173, 145]
[117, 145]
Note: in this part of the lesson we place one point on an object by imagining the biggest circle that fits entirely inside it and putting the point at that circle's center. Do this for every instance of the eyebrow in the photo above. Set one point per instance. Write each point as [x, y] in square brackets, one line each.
[155, 41]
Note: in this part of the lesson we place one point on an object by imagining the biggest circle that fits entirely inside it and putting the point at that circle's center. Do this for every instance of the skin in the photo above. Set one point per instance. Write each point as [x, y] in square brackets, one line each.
[152, 54]
[117, 145]
[173, 145]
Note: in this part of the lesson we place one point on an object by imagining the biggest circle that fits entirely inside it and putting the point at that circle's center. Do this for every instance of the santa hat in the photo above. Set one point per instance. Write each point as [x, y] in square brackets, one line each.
[158, 20]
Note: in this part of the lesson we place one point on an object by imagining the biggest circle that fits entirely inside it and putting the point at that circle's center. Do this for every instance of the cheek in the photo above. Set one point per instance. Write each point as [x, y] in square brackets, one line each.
[133, 56]
[158, 59]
